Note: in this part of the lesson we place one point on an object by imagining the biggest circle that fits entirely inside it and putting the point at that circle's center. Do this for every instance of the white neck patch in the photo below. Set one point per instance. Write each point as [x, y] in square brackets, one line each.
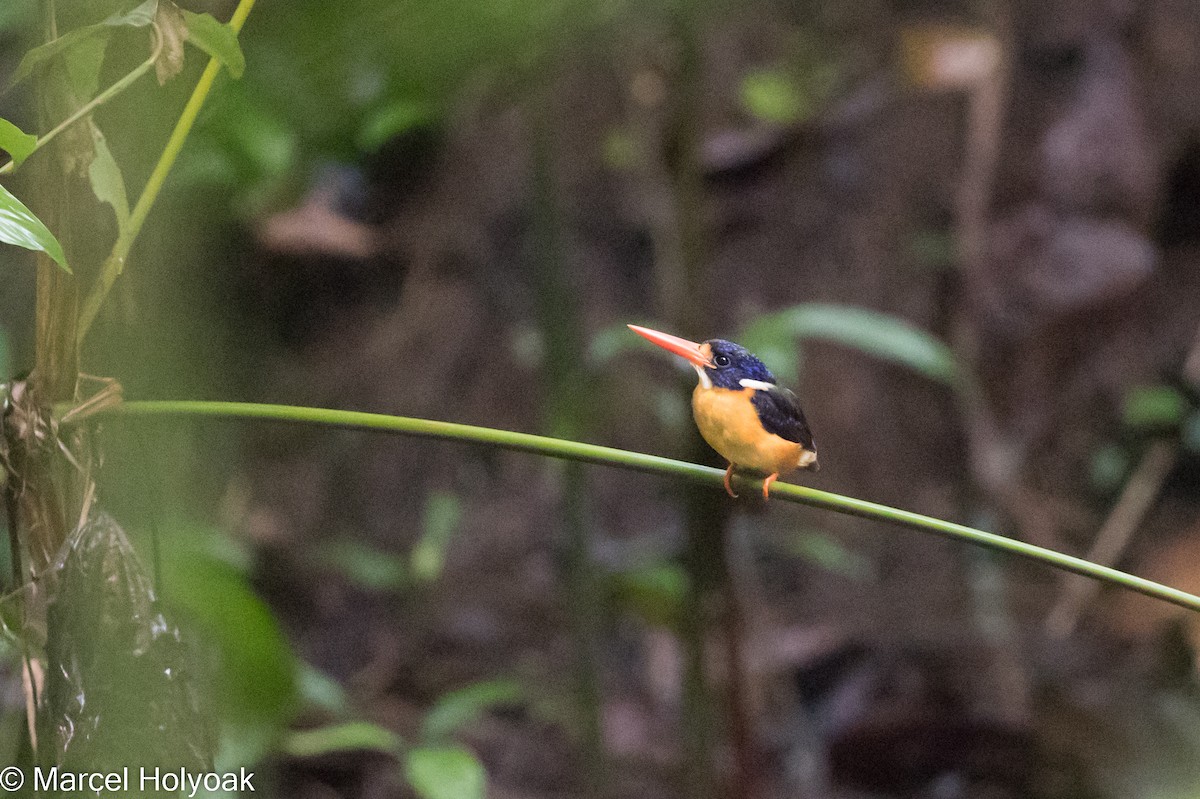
[758, 385]
[704, 380]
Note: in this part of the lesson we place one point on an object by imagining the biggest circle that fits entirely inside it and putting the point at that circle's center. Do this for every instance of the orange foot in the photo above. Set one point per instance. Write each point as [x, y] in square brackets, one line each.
[767, 485]
[728, 487]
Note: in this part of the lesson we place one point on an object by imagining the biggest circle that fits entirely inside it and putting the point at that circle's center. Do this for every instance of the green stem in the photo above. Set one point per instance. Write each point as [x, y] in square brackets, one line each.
[97, 101]
[650, 464]
[115, 263]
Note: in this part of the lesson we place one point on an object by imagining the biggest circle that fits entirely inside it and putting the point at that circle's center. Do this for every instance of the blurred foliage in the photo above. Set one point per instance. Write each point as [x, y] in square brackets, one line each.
[826, 552]
[1155, 407]
[775, 97]
[365, 566]
[457, 709]
[82, 48]
[442, 513]
[251, 664]
[319, 690]
[655, 592]
[335, 82]
[16, 15]
[447, 772]
[376, 570]
[774, 336]
[435, 768]
[777, 337]
[348, 737]
[1109, 467]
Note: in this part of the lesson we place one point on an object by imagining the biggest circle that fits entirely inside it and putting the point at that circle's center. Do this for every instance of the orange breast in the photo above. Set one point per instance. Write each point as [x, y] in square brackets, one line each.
[730, 425]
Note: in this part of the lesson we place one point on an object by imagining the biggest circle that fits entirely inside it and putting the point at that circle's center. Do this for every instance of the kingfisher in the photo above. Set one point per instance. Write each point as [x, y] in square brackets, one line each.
[741, 412]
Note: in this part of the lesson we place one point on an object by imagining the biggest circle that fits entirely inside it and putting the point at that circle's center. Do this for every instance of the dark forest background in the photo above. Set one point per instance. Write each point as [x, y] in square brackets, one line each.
[450, 210]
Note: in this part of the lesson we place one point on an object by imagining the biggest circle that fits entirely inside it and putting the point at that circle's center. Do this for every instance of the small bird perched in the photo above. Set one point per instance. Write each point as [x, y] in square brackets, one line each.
[741, 412]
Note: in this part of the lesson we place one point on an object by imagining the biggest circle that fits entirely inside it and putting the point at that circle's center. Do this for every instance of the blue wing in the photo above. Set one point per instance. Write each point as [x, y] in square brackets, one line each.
[779, 411]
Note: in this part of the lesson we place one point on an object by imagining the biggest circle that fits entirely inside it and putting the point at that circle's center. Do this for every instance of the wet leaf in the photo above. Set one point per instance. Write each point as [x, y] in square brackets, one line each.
[20, 227]
[459, 708]
[878, 334]
[17, 143]
[139, 17]
[105, 176]
[120, 684]
[217, 39]
[353, 736]
[445, 773]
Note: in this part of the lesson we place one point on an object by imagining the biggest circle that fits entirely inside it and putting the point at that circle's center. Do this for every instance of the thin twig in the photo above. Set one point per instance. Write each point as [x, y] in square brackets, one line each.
[114, 264]
[97, 101]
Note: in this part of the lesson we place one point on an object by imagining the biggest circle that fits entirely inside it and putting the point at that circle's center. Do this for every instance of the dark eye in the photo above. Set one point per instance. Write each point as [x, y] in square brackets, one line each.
[722, 360]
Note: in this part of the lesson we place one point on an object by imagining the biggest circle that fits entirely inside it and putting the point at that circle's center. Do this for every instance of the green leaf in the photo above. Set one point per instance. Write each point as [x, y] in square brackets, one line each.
[774, 97]
[320, 690]
[15, 15]
[878, 334]
[391, 120]
[139, 17]
[445, 773]
[655, 592]
[1154, 406]
[442, 512]
[829, 554]
[16, 142]
[217, 39]
[20, 227]
[106, 179]
[353, 736]
[1108, 467]
[82, 66]
[366, 566]
[459, 708]
[252, 664]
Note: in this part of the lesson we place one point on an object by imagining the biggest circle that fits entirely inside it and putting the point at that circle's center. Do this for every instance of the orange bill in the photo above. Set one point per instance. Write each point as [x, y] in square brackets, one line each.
[674, 344]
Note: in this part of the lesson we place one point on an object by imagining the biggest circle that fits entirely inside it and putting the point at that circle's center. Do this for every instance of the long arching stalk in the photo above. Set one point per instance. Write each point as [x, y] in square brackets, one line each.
[652, 464]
